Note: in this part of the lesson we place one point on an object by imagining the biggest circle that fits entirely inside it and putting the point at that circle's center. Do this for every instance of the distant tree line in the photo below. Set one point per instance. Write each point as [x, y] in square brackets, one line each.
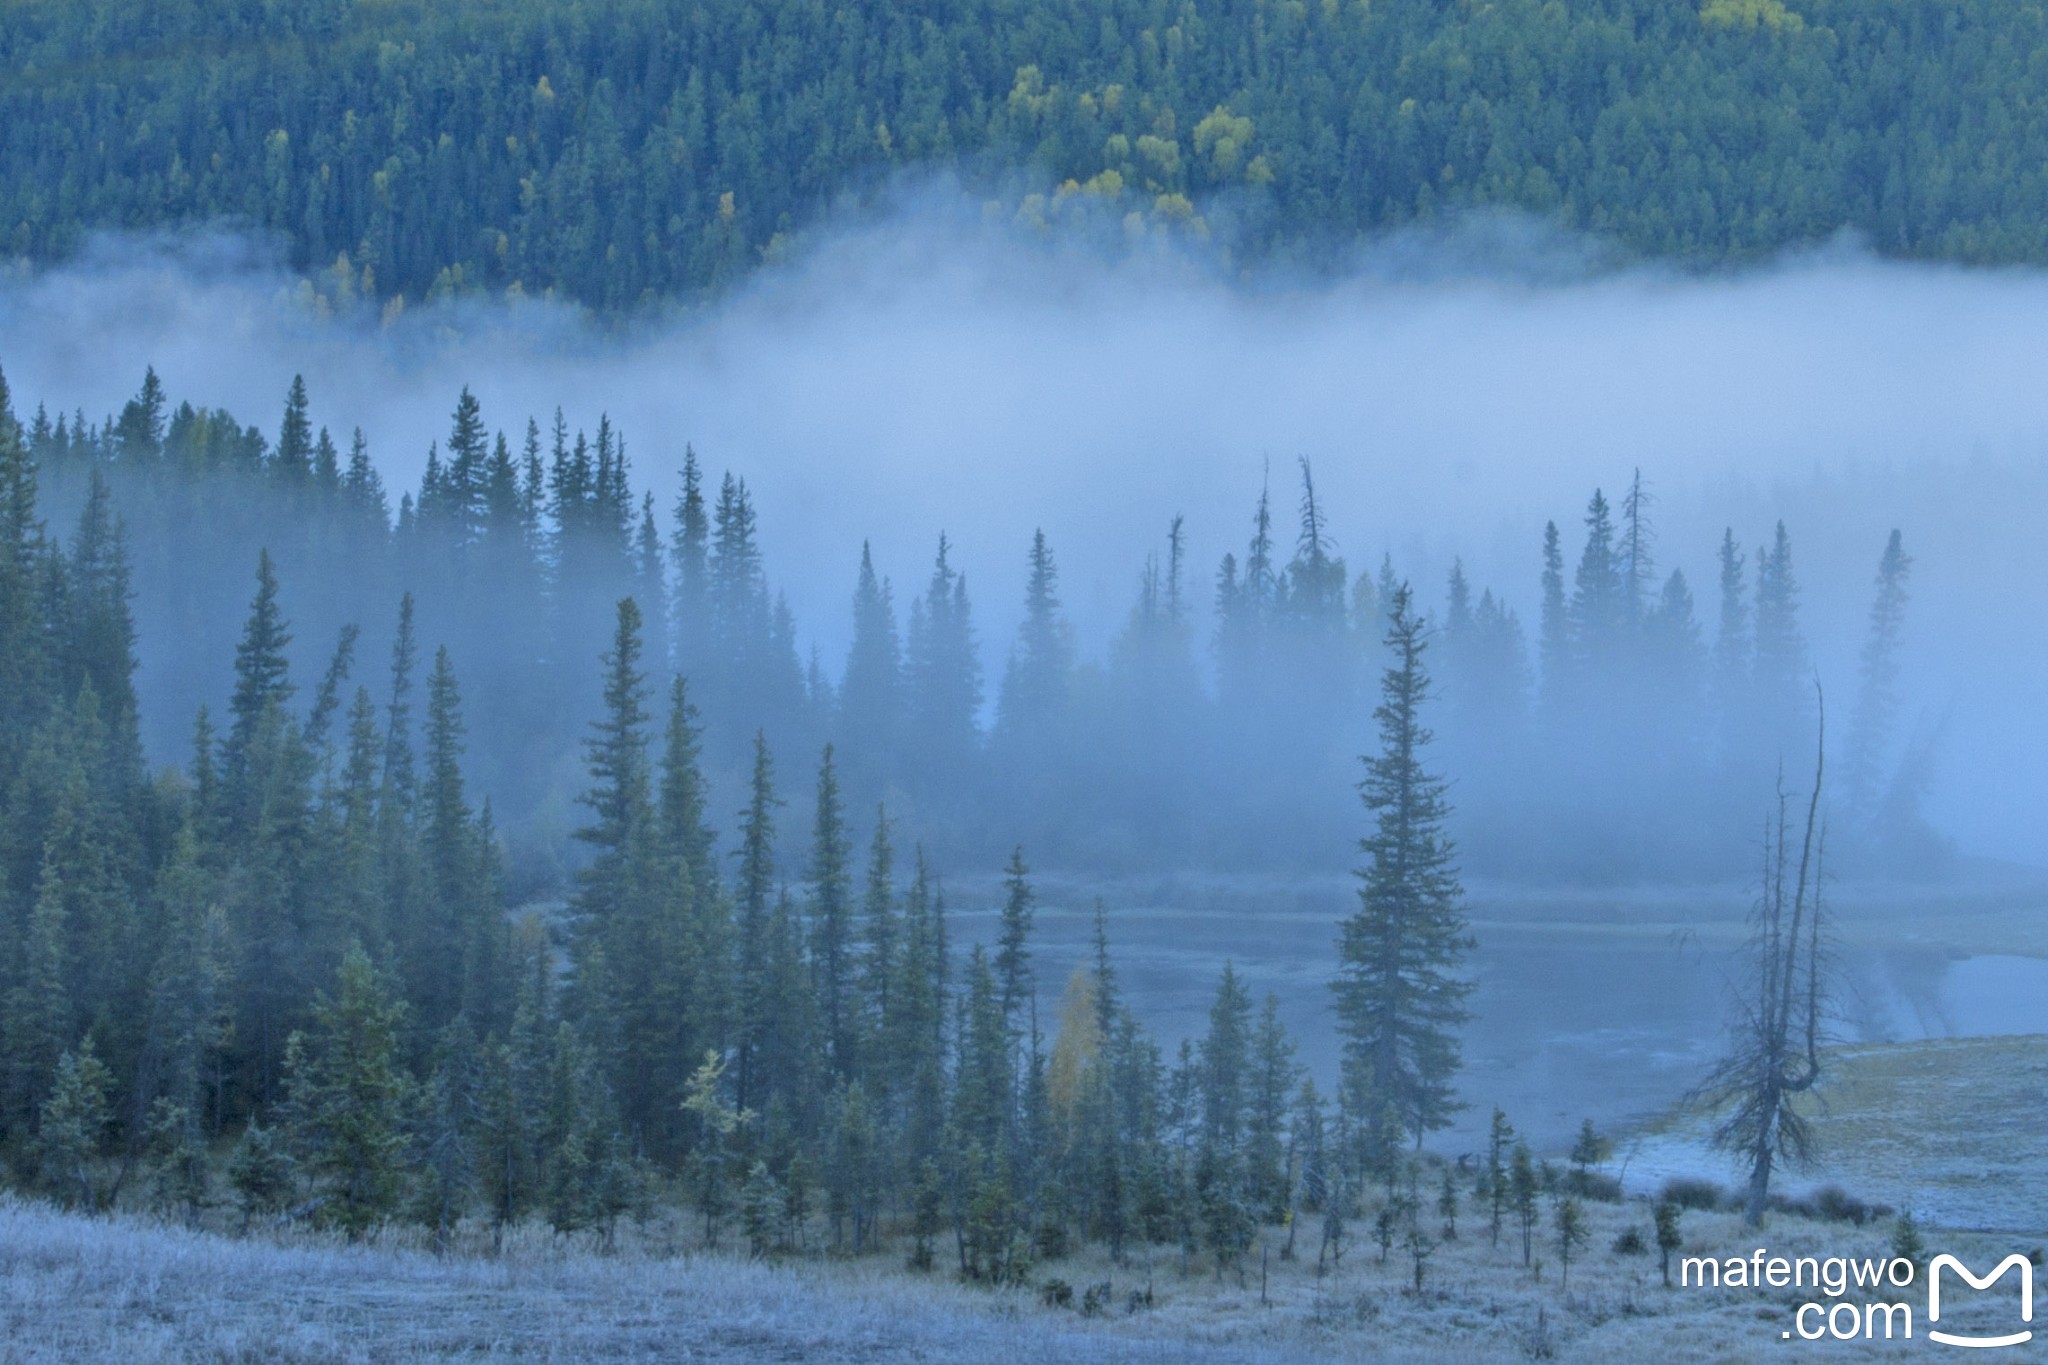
[1622, 733]
[283, 980]
[619, 152]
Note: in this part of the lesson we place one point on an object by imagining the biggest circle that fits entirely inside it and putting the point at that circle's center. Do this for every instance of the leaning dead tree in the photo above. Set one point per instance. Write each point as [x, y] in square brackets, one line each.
[1775, 1052]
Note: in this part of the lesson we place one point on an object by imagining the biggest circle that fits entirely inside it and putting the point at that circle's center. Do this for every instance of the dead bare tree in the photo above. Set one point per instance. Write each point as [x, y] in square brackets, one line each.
[1775, 1051]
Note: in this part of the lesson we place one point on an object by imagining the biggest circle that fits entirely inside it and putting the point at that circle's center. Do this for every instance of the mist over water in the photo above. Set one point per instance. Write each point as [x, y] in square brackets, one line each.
[914, 375]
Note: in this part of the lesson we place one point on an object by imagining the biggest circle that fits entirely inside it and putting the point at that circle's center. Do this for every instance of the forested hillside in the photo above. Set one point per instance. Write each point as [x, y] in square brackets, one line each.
[620, 151]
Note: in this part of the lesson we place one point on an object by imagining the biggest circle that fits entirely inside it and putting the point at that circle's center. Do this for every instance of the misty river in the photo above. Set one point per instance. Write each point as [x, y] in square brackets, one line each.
[1602, 1007]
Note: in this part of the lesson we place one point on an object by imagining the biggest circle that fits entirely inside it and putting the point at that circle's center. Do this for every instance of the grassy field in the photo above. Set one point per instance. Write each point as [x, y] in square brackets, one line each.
[74, 1289]
[1949, 1127]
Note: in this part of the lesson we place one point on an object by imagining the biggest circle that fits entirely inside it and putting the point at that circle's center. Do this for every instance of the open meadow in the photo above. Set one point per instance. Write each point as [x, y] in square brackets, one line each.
[122, 1289]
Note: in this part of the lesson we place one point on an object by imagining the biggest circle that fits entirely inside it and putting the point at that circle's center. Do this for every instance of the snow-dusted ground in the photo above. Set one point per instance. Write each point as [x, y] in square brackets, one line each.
[77, 1289]
[1950, 1128]
[74, 1289]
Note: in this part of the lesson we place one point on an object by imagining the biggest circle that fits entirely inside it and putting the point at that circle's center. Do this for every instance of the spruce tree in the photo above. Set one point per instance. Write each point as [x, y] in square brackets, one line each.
[1555, 637]
[1272, 1080]
[1599, 605]
[293, 459]
[327, 697]
[346, 1098]
[1877, 700]
[870, 693]
[1013, 942]
[399, 775]
[1635, 552]
[73, 1128]
[100, 632]
[832, 927]
[1779, 664]
[1035, 684]
[1494, 1187]
[755, 886]
[262, 676]
[881, 966]
[689, 547]
[448, 839]
[1399, 994]
[944, 669]
[683, 796]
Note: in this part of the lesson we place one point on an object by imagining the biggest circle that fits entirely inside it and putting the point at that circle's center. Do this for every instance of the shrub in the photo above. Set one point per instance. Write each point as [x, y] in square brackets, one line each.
[1595, 1185]
[1630, 1243]
[1690, 1193]
[1837, 1205]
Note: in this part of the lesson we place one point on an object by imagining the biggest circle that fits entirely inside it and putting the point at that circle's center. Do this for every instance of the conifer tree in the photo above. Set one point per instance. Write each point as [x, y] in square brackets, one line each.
[1669, 1238]
[1877, 701]
[72, 1130]
[615, 754]
[363, 488]
[650, 576]
[101, 633]
[1733, 647]
[505, 1160]
[915, 1028]
[1400, 998]
[1035, 683]
[944, 669]
[1493, 1176]
[1635, 552]
[327, 697]
[262, 676]
[832, 926]
[1598, 611]
[443, 1137]
[683, 802]
[1779, 664]
[1224, 1080]
[881, 967]
[346, 1098]
[398, 752]
[689, 547]
[1014, 978]
[448, 837]
[262, 1172]
[139, 434]
[24, 658]
[755, 886]
[1316, 576]
[1572, 1236]
[464, 489]
[1273, 1075]
[293, 460]
[870, 700]
[1555, 640]
[1522, 1186]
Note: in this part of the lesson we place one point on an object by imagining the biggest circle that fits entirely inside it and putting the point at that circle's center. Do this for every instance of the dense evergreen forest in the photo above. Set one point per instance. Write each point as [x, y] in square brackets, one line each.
[1622, 734]
[621, 151]
[283, 980]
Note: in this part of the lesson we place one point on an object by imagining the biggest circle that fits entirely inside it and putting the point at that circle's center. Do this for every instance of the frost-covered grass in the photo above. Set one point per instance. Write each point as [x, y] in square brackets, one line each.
[126, 1289]
[1949, 1127]
[74, 1288]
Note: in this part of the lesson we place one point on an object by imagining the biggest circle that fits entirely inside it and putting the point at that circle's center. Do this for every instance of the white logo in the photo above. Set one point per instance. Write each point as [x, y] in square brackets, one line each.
[2012, 1262]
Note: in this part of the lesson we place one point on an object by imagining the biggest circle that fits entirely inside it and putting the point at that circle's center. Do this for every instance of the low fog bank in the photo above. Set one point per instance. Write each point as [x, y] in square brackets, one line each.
[913, 376]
